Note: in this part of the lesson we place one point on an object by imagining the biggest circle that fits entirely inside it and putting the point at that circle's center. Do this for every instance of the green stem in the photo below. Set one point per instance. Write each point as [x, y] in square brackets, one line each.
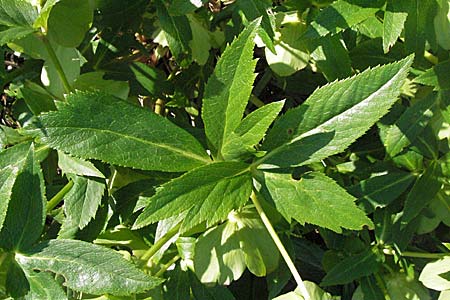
[166, 266]
[159, 107]
[57, 63]
[161, 242]
[417, 254]
[52, 203]
[280, 247]
[382, 286]
[431, 58]
[256, 101]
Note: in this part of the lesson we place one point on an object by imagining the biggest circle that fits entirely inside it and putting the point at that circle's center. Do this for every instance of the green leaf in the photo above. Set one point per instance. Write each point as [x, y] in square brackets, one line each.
[442, 24]
[402, 288]
[444, 295]
[440, 206]
[410, 125]
[68, 22]
[354, 267]
[370, 289]
[177, 285]
[419, 25]
[251, 130]
[73, 165]
[295, 295]
[228, 90]
[17, 17]
[244, 241]
[82, 201]
[69, 59]
[436, 76]
[314, 199]
[422, 193]
[331, 57]
[151, 79]
[202, 40]
[370, 53]
[288, 55]
[334, 116]
[176, 28]
[44, 286]
[37, 98]
[14, 33]
[393, 22]
[341, 15]
[315, 292]
[380, 191]
[430, 275]
[183, 7]
[17, 13]
[94, 81]
[200, 291]
[25, 217]
[254, 9]
[87, 267]
[16, 283]
[372, 27]
[11, 163]
[92, 125]
[207, 193]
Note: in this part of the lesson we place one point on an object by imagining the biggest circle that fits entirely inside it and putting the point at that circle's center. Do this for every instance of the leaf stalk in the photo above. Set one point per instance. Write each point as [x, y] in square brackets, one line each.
[161, 242]
[57, 63]
[280, 247]
[52, 203]
[416, 254]
[167, 265]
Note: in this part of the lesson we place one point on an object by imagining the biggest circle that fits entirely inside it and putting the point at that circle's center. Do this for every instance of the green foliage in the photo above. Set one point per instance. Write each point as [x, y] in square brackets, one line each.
[225, 149]
[148, 132]
[318, 193]
[114, 275]
[228, 90]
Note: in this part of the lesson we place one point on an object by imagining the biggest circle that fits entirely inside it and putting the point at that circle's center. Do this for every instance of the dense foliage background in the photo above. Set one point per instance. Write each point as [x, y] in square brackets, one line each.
[135, 164]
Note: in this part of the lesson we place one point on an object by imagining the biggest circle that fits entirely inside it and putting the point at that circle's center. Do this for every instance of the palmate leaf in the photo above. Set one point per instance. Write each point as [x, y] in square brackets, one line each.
[315, 199]
[251, 130]
[87, 267]
[334, 116]
[228, 89]
[25, 216]
[207, 193]
[223, 252]
[100, 126]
